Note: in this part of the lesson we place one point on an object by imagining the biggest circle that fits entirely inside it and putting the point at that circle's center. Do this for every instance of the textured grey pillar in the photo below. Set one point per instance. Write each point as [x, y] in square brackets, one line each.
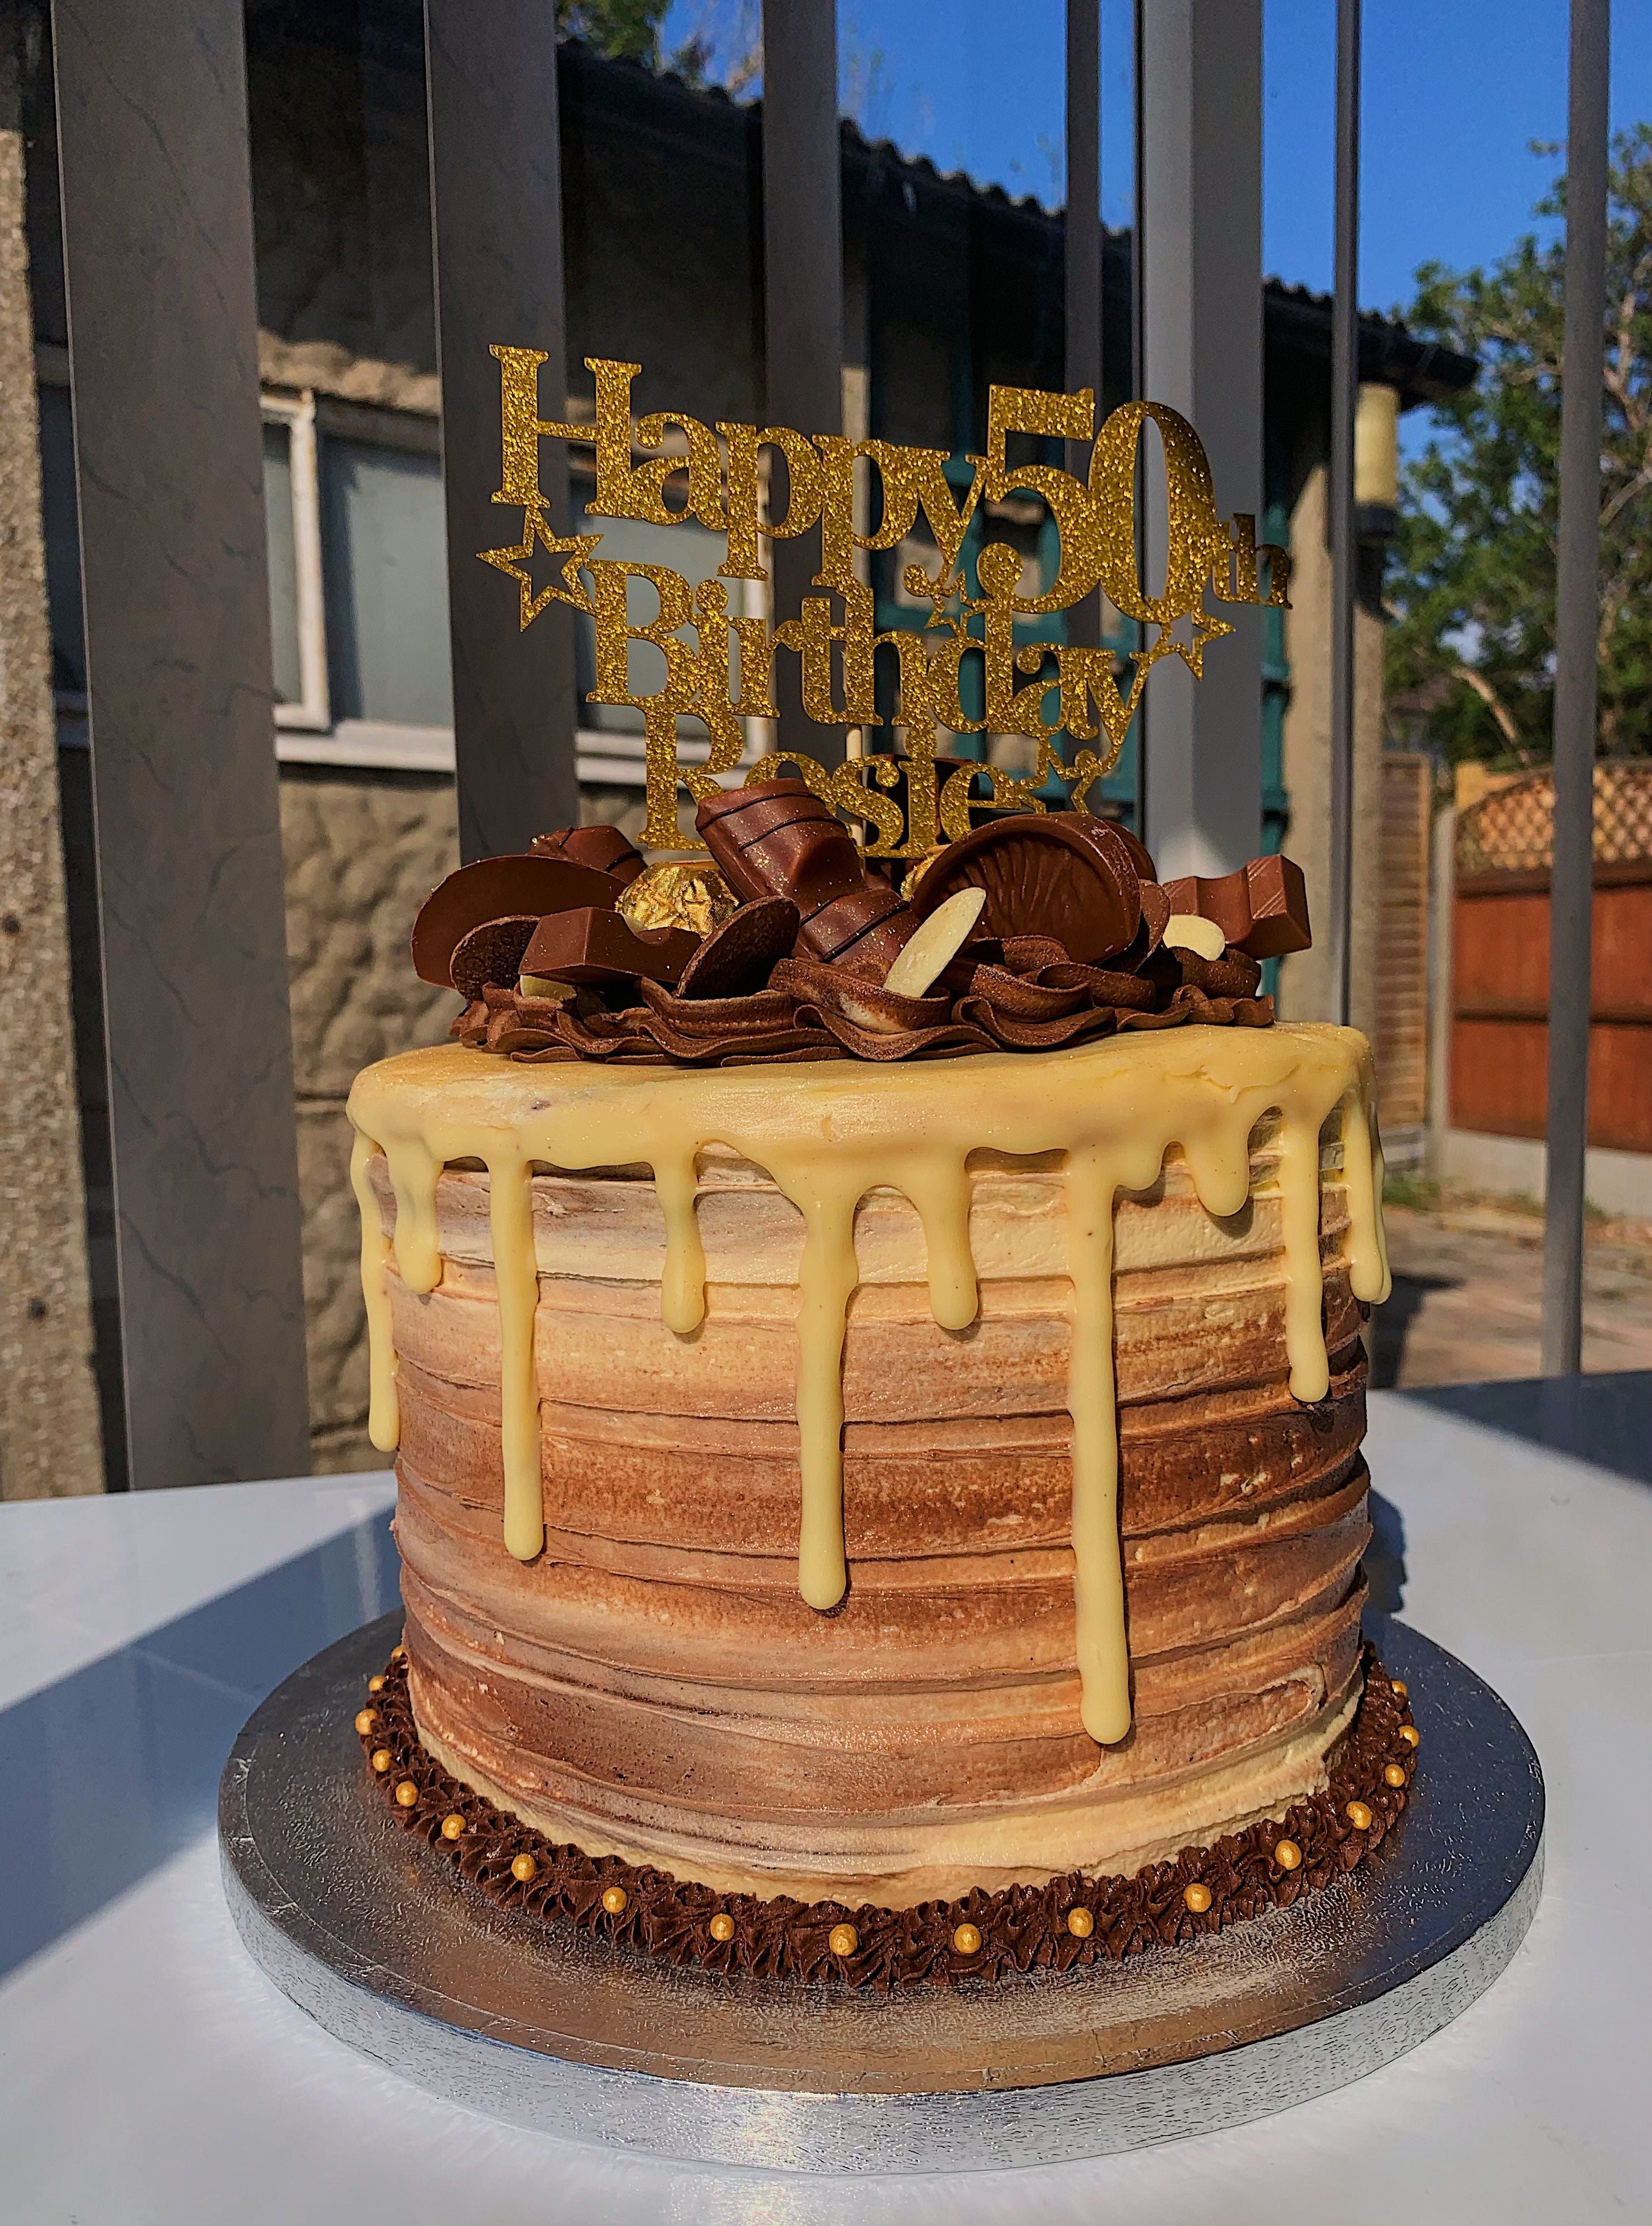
[1577, 620]
[157, 238]
[1199, 126]
[803, 290]
[1084, 250]
[496, 199]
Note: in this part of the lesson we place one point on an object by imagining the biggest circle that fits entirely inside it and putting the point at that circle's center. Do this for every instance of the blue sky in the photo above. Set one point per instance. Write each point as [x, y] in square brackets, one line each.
[1455, 91]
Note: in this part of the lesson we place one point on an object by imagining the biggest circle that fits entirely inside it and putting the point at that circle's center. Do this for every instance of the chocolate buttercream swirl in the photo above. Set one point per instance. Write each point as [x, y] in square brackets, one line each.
[1030, 996]
[1022, 1929]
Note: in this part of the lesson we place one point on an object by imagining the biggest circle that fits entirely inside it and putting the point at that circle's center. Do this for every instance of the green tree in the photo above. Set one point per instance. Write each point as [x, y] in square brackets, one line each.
[728, 52]
[1471, 587]
[628, 30]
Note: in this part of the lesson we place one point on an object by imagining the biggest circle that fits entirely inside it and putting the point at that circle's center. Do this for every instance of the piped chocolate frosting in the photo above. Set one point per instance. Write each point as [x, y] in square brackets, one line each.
[1270, 1865]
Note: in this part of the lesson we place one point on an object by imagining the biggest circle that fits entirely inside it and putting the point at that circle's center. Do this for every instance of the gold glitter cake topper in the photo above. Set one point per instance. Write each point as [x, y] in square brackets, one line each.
[715, 478]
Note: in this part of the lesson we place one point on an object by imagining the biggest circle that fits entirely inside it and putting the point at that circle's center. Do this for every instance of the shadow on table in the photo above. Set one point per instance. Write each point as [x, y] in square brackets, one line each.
[1392, 1322]
[1606, 1420]
[114, 1768]
[1384, 1561]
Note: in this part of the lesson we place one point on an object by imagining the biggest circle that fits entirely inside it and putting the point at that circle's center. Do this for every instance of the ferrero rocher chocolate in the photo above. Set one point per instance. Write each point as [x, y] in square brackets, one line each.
[668, 894]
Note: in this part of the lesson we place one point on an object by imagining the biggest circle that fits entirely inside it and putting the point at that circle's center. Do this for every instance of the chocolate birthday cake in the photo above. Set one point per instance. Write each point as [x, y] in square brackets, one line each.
[875, 1376]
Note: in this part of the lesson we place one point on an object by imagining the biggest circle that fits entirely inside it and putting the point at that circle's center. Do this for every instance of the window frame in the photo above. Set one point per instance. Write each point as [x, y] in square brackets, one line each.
[312, 714]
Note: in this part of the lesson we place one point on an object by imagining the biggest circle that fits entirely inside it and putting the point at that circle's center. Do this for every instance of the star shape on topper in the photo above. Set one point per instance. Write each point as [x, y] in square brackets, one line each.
[1206, 629]
[574, 550]
[938, 593]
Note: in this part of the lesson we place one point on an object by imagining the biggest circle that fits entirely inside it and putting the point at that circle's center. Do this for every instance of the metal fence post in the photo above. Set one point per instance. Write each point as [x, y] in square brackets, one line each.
[1199, 212]
[1084, 252]
[1576, 612]
[157, 242]
[496, 208]
[1344, 551]
[803, 288]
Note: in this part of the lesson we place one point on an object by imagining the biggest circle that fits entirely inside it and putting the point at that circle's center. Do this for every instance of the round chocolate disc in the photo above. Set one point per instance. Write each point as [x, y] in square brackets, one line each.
[1138, 849]
[740, 955]
[491, 955]
[498, 888]
[1062, 874]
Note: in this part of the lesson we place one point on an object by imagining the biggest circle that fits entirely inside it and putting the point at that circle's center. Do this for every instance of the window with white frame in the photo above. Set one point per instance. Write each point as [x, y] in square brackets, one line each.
[357, 585]
[358, 597]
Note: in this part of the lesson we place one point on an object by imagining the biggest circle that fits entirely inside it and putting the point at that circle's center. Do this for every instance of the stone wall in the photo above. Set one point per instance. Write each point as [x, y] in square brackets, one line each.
[362, 850]
[49, 1428]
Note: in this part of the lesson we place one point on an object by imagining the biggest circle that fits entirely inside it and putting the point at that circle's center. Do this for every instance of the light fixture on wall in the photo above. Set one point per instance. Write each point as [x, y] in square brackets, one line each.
[1377, 461]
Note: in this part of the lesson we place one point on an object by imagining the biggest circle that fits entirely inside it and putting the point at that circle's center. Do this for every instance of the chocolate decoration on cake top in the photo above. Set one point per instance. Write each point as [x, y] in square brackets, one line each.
[498, 888]
[491, 954]
[780, 839]
[603, 847]
[738, 956]
[558, 958]
[1070, 877]
[588, 946]
[1262, 908]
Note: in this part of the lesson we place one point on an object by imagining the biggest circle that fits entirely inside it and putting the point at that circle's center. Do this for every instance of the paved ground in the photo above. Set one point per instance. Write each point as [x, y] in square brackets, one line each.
[1467, 1298]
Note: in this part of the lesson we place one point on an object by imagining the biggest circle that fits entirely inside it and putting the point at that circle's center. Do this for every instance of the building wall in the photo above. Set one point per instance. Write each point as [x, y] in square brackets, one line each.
[362, 849]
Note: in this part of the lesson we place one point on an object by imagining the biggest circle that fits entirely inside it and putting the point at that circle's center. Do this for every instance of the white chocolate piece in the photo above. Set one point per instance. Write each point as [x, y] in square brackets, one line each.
[830, 1133]
[1190, 930]
[541, 985]
[935, 944]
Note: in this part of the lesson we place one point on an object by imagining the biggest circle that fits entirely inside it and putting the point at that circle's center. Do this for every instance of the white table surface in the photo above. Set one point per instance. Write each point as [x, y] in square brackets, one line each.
[150, 2073]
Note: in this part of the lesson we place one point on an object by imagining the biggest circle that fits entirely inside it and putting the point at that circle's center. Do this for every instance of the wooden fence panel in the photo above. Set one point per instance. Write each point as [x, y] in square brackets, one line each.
[1500, 1005]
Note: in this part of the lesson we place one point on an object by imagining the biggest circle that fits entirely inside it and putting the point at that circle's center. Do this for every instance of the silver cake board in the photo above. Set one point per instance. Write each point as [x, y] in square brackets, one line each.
[371, 1932]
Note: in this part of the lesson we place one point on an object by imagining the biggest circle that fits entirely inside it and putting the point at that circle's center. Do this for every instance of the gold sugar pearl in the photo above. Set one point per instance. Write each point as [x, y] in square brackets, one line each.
[1287, 1854]
[366, 1720]
[1394, 1775]
[842, 1940]
[1398, 1685]
[382, 1759]
[452, 1828]
[1080, 1923]
[614, 1900]
[523, 1869]
[1411, 1735]
[406, 1793]
[399, 1653]
[722, 1926]
[967, 1940]
[375, 1684]
[1197, 1897]
[1358, 1815]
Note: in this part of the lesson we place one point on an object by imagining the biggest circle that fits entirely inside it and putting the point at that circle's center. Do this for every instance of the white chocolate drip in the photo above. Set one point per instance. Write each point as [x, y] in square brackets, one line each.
[826, 1136]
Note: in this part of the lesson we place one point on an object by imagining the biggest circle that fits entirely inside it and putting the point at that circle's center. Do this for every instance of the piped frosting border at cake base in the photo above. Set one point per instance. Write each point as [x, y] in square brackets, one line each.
[1073, 1921]
[826, 1136]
